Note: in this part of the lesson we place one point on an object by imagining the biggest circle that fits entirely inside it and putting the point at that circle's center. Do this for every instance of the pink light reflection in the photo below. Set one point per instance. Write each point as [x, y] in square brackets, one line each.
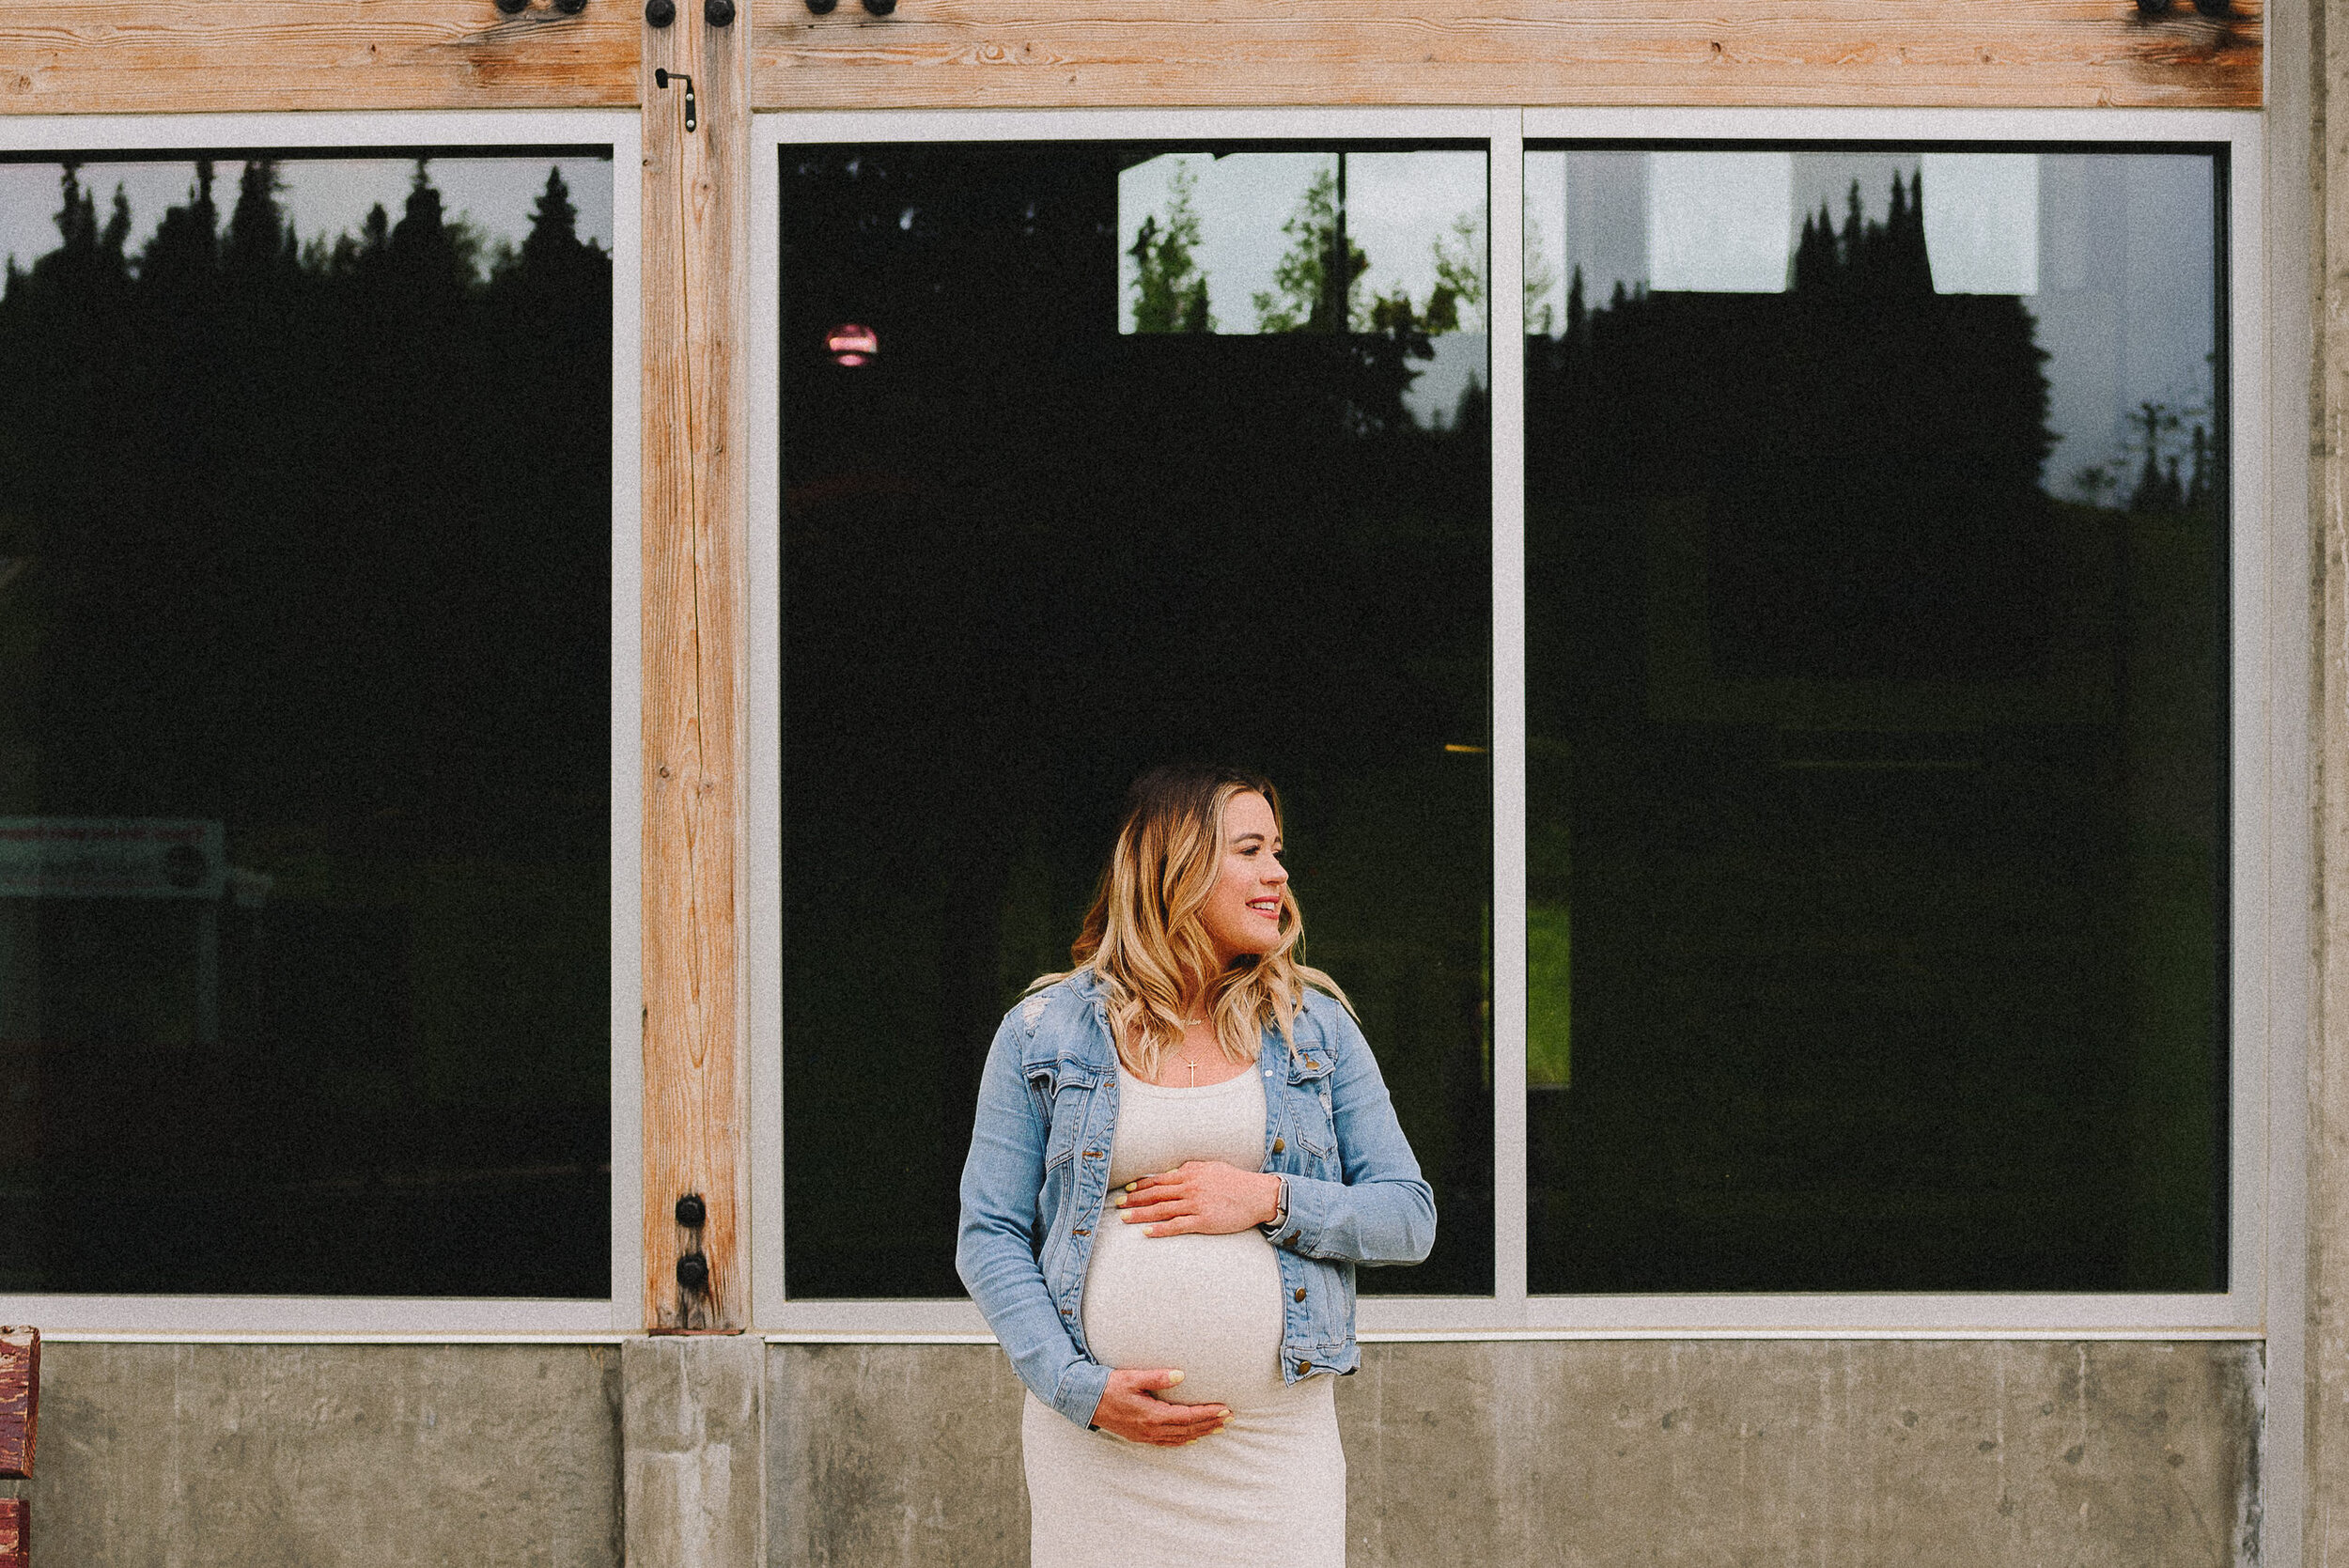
[851, 345]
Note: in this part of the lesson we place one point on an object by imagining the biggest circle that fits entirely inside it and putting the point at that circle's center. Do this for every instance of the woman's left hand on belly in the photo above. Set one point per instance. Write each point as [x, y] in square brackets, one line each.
[1202, 1196]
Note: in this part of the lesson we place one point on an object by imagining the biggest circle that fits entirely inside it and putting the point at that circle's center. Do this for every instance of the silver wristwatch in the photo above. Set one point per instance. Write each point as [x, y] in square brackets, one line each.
[1280, 1211]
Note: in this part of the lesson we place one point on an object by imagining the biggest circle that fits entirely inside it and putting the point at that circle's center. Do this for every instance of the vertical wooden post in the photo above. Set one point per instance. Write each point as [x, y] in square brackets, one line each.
[697, 254]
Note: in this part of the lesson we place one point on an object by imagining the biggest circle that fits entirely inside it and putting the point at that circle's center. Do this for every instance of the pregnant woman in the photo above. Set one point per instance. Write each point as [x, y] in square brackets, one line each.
[1183, 1148]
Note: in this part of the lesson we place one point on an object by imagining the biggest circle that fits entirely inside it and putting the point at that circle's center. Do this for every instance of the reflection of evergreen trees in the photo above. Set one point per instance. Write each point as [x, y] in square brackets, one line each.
[313, 539]
[317, 535]
[1868, 451]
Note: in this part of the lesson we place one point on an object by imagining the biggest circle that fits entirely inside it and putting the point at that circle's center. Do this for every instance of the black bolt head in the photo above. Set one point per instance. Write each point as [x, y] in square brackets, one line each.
[2213, 7]
[512, 8]
[718, 13]
[880, 8]
[693, 1272]
[2152, 7]
[822, 8]
[570, 8]
[660, 14]
[691, 1210]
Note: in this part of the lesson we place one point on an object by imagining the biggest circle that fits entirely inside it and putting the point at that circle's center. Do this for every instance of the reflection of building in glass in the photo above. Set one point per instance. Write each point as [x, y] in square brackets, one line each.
[2076, 233]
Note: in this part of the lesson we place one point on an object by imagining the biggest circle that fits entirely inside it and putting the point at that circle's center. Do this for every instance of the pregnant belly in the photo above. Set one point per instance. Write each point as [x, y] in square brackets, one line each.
[1206, 1305]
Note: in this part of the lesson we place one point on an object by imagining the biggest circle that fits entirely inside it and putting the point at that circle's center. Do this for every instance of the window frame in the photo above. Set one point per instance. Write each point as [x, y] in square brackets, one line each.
[2269, 844]
[375, 1318]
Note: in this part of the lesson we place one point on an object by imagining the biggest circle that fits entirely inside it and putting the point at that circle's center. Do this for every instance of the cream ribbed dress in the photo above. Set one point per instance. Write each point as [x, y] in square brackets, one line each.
[1269, 1488]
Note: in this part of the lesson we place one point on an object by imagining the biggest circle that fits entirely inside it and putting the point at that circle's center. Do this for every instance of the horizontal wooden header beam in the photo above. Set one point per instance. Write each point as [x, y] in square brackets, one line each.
[1041, 53]
[77, 57]
[142, 57]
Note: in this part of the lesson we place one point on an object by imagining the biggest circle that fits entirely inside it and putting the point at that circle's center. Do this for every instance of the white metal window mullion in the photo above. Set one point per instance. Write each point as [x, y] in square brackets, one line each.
[1506, 318]
[762, 663]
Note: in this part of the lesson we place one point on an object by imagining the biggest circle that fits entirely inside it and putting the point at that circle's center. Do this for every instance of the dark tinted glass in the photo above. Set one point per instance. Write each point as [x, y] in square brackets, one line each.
[1096, 456]
[304, 644]
[1876, 693]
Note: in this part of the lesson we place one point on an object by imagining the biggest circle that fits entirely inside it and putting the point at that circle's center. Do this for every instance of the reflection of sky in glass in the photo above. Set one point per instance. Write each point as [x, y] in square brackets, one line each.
[2113, 251]
[1398, 206]
[322, 196]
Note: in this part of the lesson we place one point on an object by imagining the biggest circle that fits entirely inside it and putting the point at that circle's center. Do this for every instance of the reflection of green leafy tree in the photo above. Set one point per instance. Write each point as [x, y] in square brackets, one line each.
[1541, 317]
[1170, 291]
[1315, 283]
[1456, 303]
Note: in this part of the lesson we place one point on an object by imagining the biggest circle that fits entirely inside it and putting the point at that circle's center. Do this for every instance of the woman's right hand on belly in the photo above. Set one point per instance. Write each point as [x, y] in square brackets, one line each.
[1132, 1410]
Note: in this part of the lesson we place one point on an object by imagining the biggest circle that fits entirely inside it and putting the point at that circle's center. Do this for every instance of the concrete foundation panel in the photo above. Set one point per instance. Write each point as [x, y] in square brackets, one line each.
[316, 1456]
[889, 1454]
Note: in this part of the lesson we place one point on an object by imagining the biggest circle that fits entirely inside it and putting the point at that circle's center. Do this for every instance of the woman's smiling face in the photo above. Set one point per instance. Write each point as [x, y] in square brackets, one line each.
[1242, 914]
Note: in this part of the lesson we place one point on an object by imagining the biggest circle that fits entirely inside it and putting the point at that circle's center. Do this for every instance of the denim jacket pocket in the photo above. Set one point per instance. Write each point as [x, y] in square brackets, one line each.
[1070, 1107]
[1307, 1110]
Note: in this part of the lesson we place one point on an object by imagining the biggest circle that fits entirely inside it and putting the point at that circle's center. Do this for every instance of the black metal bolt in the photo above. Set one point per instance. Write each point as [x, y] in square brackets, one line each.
[880, 8]
[570, 8]
[2213, 7]
[512, 8]
[693, 1272]
[2152, 7]
[718, 13]
[660, 14]
[691, 1210]
[822, 8]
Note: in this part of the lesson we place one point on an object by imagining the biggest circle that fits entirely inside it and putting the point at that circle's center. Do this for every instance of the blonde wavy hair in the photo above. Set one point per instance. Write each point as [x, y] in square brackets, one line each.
[1145, 944]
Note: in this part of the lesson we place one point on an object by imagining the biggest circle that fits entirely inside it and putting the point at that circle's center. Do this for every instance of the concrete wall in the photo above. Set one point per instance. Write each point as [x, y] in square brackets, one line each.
[1974, 1454]
[318, 1457]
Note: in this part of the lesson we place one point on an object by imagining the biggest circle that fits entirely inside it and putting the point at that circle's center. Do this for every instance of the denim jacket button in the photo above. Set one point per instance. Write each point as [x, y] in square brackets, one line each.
[1300, 1293]
[1279, 1143]
[1304, 1368]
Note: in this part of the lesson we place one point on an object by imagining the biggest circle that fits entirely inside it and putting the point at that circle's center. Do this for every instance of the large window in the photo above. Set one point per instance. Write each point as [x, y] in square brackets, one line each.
[306, 724]
[1094, 455]
[1877, 518]
[1748, 609]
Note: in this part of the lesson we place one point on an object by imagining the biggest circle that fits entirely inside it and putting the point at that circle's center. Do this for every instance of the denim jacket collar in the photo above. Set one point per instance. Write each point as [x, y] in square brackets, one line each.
[1309, 1055]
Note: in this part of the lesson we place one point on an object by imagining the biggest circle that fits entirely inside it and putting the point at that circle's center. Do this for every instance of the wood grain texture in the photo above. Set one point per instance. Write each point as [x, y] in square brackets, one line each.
[142, 57]
[697, 254]
[1031, 53]
[16, 1533]
[20, 1400]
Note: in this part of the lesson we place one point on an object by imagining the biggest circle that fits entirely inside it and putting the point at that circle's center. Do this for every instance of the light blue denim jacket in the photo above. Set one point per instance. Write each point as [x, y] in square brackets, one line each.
[1034, 1187]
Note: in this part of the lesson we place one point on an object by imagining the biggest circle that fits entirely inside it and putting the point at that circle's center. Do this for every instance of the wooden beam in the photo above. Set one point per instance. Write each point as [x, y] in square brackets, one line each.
[696, 256]
[80, 57]
[1036, 54]
[143, 56]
